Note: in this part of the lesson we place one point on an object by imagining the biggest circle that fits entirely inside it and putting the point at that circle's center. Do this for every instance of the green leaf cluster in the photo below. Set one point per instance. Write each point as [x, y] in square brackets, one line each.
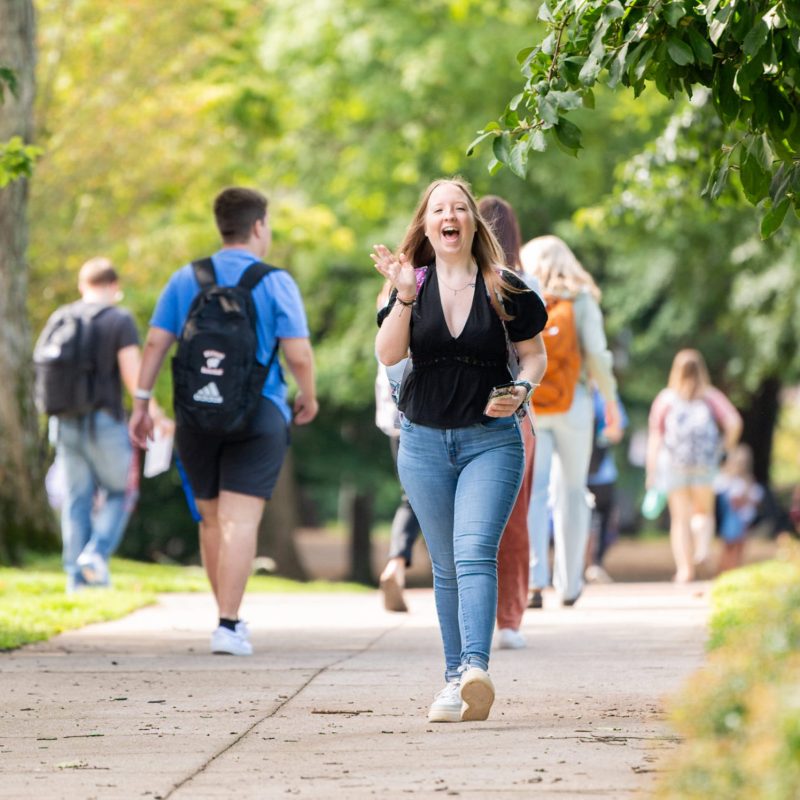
[746, 53]
[8, 81]
[16, 159]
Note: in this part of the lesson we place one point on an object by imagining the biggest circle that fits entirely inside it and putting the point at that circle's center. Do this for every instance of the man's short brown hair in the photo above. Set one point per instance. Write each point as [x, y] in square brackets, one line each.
[236, 210]
[98, 271]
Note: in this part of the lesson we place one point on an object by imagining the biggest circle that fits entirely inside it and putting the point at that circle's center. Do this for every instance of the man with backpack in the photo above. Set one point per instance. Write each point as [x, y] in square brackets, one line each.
[230, 315]
[87, 350]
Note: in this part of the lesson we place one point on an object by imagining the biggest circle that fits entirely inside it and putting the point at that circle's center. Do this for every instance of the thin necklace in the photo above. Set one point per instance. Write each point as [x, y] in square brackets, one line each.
[456, 291]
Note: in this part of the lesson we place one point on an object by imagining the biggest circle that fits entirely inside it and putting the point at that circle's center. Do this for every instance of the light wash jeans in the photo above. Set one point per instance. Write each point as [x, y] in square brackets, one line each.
[94, 458]
[563, 450]
[462, 484]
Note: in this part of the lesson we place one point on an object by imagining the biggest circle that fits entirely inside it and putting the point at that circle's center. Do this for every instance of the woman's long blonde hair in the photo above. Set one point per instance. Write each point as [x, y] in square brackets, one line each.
[688, 376]
[557, 269]
[486, 249]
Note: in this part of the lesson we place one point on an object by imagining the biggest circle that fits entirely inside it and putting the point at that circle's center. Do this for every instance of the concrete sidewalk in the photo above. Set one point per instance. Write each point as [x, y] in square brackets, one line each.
[333, 703]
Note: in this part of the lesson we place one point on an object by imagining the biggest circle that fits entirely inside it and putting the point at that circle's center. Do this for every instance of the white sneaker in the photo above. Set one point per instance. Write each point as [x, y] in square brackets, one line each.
[510, 639]
[94, 568]
[477, 694]
[446, 706]
[596, 574]
[233, 643]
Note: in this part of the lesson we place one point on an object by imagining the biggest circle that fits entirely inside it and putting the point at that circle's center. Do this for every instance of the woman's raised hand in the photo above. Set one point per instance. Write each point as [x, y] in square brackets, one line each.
[398, 270]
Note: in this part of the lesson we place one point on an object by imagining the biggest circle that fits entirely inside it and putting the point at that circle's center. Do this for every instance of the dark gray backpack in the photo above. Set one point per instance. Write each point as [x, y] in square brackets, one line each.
[65, 361]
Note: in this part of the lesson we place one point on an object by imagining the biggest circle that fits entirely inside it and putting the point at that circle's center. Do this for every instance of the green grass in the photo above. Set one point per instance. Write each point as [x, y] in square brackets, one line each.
[34, 606]
[338, 530]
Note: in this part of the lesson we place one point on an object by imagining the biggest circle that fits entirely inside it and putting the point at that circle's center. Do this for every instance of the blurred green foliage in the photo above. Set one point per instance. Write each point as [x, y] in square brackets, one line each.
[342, 112]
[681, 271]
[753, 597]
[740, 715]
[786, 465]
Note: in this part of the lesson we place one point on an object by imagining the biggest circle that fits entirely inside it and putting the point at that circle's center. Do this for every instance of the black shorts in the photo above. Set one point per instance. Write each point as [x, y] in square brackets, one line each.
[248, 462]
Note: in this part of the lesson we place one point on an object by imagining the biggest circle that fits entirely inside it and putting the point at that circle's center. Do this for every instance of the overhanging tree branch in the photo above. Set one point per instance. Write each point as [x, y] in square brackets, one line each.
[747, 54]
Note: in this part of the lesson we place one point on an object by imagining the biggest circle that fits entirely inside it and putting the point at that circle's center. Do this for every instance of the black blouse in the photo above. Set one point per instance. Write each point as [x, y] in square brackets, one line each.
[450, 382]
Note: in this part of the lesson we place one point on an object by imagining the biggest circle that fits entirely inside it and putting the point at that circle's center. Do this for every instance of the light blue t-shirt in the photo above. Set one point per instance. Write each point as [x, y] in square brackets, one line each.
[279, 308]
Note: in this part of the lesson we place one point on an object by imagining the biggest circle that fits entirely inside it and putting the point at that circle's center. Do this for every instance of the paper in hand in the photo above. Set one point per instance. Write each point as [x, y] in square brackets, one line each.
[159, 455]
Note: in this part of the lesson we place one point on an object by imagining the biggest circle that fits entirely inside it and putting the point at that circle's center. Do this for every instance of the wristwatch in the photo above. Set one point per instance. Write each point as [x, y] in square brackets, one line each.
[528, 386]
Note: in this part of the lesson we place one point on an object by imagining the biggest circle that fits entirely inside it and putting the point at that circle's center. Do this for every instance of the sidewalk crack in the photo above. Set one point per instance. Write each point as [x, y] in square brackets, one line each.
[230, 745]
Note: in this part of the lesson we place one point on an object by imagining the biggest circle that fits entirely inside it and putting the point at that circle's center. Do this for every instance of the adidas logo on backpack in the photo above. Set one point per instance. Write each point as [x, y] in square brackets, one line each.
[220, 329]
[208, 394]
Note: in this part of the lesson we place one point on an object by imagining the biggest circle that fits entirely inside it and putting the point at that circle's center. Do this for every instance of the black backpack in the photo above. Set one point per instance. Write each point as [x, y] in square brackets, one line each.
[217, 379]
[65, 361]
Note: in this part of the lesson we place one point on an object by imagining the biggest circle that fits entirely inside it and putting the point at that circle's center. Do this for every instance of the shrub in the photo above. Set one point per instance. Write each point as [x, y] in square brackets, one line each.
[740, 714]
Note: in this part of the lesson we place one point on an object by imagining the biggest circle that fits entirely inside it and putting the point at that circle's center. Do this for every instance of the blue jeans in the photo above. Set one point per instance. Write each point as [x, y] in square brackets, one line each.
[462, 484]
[563, 450]
[94, 458]
[405, 526]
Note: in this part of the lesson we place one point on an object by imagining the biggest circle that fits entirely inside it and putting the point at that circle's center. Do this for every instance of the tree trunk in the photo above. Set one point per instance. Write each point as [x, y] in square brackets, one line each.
[357, 508]
[760, 419]
[25, 518]
[280, 520]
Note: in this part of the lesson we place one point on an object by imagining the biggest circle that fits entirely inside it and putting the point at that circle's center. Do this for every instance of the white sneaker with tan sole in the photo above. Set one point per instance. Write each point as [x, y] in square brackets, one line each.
[477, 694]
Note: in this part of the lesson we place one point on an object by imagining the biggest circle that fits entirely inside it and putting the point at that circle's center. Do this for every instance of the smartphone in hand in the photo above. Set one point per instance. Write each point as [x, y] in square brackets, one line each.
[501, 390]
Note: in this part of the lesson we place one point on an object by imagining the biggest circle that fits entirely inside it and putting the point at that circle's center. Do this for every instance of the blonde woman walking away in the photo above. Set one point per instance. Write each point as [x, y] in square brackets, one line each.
[577, 352]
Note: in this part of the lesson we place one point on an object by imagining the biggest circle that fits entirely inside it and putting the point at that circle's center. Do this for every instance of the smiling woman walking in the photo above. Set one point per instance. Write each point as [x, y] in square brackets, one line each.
[461, 458]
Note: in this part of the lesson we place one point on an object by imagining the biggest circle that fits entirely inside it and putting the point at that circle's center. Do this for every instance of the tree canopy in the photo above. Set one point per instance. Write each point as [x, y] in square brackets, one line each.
[746, 53]
[342, 112]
